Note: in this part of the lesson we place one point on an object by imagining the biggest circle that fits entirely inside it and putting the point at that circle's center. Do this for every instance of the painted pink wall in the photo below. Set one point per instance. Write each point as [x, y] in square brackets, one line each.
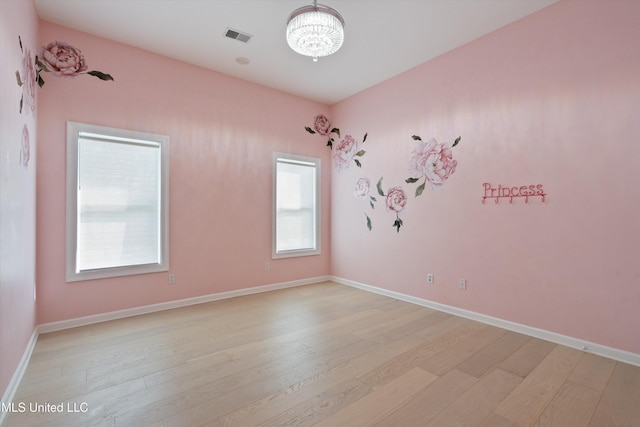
[223, 131]
[551, 99]
[17, 191]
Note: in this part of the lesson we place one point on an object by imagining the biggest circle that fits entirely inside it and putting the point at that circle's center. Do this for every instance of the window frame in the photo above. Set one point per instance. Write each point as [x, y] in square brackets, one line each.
[294, 158]
[74, 131]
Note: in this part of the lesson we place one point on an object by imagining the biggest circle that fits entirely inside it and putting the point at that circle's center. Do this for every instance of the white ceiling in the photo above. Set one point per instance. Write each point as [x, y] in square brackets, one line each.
[383, 38]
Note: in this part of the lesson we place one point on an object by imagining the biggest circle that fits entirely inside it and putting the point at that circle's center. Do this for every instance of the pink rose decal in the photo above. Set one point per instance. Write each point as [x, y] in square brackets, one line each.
[433, 161]
[63, 60]
[27, 80]
[321, 124]
[396, 201]
[25, 149]
[362, 187]
[362, 190]
[348, 150]
[345, 152]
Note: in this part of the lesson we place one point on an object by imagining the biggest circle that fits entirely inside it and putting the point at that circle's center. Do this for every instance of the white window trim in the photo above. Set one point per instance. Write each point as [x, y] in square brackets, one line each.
[298, 252]
[73, 132]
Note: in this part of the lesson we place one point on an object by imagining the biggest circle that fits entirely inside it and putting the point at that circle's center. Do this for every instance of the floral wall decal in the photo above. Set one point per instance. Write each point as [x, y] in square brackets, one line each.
[25, 149]
[58, 58]
[27, 80]
[63, 60]
[395, 200]
[322, 126]
[362, 190]
[348, 150]
[432, 161]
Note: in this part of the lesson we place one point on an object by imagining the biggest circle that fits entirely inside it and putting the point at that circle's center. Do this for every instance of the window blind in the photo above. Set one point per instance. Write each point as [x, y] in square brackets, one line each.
[295, 205]
[119, 196]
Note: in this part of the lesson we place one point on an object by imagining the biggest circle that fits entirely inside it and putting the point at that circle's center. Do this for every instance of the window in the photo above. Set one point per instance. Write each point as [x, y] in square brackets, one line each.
[296, 217]
[117, 202]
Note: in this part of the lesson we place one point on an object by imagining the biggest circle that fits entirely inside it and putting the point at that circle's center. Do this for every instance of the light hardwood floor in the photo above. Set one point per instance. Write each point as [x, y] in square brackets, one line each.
[322, 354]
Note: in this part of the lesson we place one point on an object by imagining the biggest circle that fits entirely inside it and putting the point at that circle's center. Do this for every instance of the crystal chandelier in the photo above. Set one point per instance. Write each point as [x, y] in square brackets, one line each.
[315, 31]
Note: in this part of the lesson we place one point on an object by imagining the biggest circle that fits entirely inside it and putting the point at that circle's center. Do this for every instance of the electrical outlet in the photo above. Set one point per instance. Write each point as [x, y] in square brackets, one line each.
[430, 278]
[462, 284]
[267, 266]
[172, 278]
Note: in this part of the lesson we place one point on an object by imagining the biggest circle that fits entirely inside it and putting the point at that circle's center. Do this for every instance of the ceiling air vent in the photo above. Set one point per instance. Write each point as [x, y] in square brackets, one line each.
[237, 35]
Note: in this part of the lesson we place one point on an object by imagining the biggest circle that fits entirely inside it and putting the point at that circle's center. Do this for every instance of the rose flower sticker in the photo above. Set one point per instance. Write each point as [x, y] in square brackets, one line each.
[348, 150]
[431, 161]
[396, 201]
[63, 60]
[322, 126]
[361, 191]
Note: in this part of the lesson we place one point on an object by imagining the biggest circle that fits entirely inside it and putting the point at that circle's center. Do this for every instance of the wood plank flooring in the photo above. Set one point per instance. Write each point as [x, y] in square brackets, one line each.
[316, 355]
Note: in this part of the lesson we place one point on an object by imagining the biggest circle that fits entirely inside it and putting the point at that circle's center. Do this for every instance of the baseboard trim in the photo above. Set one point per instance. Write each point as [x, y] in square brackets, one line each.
[598, 349]
[136, 311]
[10, 392]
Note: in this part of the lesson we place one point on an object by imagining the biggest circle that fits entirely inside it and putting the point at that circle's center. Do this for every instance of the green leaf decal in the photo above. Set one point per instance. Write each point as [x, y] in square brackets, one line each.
[368, 222]
[416, 138]
[18, 78]
[379, 187]
[100, 75]
[358, 163]
[360, 153]
[364, 138]
[20, 41]
[397, 223]
[336, 131]
[40, 81]
[373, 199]
[41, 65]
[456, 142]
[420, 188]
[308, 129]
[330, 143]
[411, 180]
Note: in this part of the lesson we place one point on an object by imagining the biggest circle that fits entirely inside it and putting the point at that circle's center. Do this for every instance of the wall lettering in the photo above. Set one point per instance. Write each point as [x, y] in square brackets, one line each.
[507, 192]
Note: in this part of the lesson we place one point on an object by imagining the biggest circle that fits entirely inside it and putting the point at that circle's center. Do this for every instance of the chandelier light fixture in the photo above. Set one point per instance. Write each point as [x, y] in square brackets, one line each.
[315, 31]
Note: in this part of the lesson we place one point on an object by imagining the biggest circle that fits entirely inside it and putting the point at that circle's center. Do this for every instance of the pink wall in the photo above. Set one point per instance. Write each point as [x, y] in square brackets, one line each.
[553, 100]
[17, 190]
[223, 132]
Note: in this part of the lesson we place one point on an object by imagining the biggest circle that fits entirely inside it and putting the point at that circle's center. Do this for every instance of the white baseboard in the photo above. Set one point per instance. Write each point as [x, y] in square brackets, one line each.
[120, 314]
[10, 392]
[601, 350]
[598, 349]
